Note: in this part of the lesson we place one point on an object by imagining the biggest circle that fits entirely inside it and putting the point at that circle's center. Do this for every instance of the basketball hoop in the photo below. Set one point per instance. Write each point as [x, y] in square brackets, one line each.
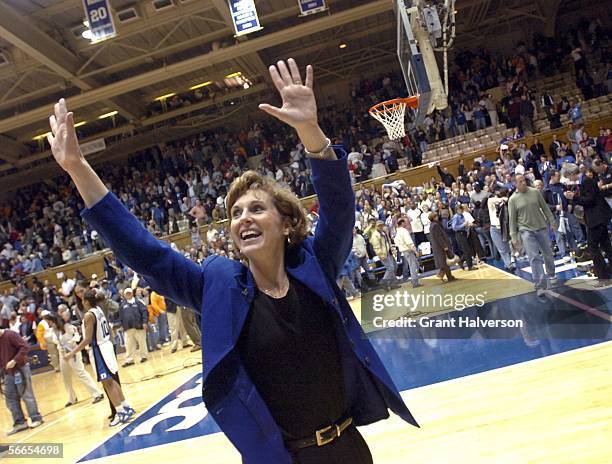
[391, 114]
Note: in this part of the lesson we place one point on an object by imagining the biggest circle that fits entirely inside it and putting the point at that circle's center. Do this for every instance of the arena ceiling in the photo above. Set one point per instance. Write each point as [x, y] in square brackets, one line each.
[44, 57]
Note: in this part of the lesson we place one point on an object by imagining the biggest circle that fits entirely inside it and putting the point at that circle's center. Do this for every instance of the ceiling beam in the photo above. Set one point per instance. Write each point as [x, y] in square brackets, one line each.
[524, 12]
[203, 61]
[10, 72]
[181, 46]
[11, 151]
[40, 46]
[56, 9]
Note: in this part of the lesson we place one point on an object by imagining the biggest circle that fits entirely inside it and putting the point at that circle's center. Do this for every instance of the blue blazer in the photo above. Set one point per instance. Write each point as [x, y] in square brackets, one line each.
[223, 289]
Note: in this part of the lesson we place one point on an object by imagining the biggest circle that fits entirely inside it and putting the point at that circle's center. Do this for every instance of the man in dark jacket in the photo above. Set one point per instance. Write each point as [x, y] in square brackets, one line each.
[537, 148]
[604, 178]
[441, 247]
[597, 215]
[446, 176]
[134, 319]
[554, 148]
[526, 112]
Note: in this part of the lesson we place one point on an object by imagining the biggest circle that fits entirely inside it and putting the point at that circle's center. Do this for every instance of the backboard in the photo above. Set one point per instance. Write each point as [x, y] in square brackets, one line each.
[417, 59]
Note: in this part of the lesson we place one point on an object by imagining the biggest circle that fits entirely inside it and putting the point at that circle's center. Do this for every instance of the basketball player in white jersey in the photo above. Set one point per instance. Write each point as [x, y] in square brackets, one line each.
[97, 333]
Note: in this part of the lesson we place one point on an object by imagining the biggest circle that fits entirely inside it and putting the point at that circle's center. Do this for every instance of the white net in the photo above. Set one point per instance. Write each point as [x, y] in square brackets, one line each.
[391, 115]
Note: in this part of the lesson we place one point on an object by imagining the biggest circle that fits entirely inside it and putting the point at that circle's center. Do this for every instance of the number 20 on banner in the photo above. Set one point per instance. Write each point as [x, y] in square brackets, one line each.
[100, 18]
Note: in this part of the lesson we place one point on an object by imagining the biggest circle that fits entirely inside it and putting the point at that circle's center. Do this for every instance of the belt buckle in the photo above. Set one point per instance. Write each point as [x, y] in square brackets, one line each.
[324, 441]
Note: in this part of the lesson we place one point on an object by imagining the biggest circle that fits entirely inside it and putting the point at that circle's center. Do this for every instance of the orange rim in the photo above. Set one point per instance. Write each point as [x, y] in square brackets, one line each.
[412, 102]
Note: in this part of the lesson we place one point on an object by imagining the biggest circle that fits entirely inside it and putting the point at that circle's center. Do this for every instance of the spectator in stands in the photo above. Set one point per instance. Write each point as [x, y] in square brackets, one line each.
[459, 226]
[175, 322]
[554, 196]
[50, 342]
[15, 370]
[479, 117]
[597, 215]
[9, 303]
[381, 242]
[580, 63]
[408, 250]
[604, 179]
[134, 319]
[192, 325]
[413, 213]
[563, 106]
[489, 104]
[500, 232]
[441, 248]
[585, 82]
[547, 103]
[575, 113]
[554, 119]
[537, 148]
[482, 227]
[346, 278]
[527, 223]
[25, 329]
[526, 114]
[446, 177]
[361, 254]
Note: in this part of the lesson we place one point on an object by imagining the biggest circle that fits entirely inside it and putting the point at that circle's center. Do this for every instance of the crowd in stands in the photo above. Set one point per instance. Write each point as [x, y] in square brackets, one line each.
[467, 207]
[174, 186]
[474, 73]
[183, 184]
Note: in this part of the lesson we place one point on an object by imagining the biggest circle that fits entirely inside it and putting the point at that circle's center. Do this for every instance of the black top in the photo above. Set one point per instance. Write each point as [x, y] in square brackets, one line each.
[288, 347]
[597, 212]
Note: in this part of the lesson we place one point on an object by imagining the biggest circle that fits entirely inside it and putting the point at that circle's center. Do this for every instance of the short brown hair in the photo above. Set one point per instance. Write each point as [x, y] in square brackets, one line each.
[285, 201]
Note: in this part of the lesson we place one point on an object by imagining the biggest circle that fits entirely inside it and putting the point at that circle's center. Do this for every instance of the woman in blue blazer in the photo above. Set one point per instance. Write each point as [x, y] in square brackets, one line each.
[288, 373]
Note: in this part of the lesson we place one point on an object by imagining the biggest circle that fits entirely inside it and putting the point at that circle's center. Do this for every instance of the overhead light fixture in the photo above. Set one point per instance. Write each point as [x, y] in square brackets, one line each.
[86, 34]
[79, 124]
[108, 115]
[41, 136]
[342, 45]
[199, 86]
[163, 97]
[236, 74]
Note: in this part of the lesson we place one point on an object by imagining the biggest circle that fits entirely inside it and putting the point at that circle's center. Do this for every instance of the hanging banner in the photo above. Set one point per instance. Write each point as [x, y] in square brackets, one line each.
[100, 18]
[244, 16]
[311, 6]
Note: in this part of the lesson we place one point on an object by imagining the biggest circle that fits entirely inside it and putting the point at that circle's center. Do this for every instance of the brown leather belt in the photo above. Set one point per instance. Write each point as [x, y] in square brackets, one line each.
[321, 437]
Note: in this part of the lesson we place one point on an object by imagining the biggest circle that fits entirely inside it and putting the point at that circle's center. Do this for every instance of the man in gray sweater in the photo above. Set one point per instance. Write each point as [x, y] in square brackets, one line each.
[529, 218]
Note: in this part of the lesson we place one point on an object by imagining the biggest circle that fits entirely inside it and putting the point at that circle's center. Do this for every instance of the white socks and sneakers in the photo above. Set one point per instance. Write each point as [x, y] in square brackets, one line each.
[124, 414]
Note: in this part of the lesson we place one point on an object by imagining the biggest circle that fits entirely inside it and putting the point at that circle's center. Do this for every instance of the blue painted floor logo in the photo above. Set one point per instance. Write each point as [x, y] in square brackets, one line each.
[179, 416]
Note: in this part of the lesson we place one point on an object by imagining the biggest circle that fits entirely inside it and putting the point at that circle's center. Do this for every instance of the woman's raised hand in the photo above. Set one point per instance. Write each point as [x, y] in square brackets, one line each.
[63, 138]
[299, 108]
[66, 151]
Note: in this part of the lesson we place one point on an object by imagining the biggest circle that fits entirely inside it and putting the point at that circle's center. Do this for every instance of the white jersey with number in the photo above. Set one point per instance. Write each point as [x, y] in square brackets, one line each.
[104, 357]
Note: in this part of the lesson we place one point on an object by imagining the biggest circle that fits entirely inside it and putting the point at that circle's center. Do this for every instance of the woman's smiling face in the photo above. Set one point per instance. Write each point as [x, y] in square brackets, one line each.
[257, 227]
